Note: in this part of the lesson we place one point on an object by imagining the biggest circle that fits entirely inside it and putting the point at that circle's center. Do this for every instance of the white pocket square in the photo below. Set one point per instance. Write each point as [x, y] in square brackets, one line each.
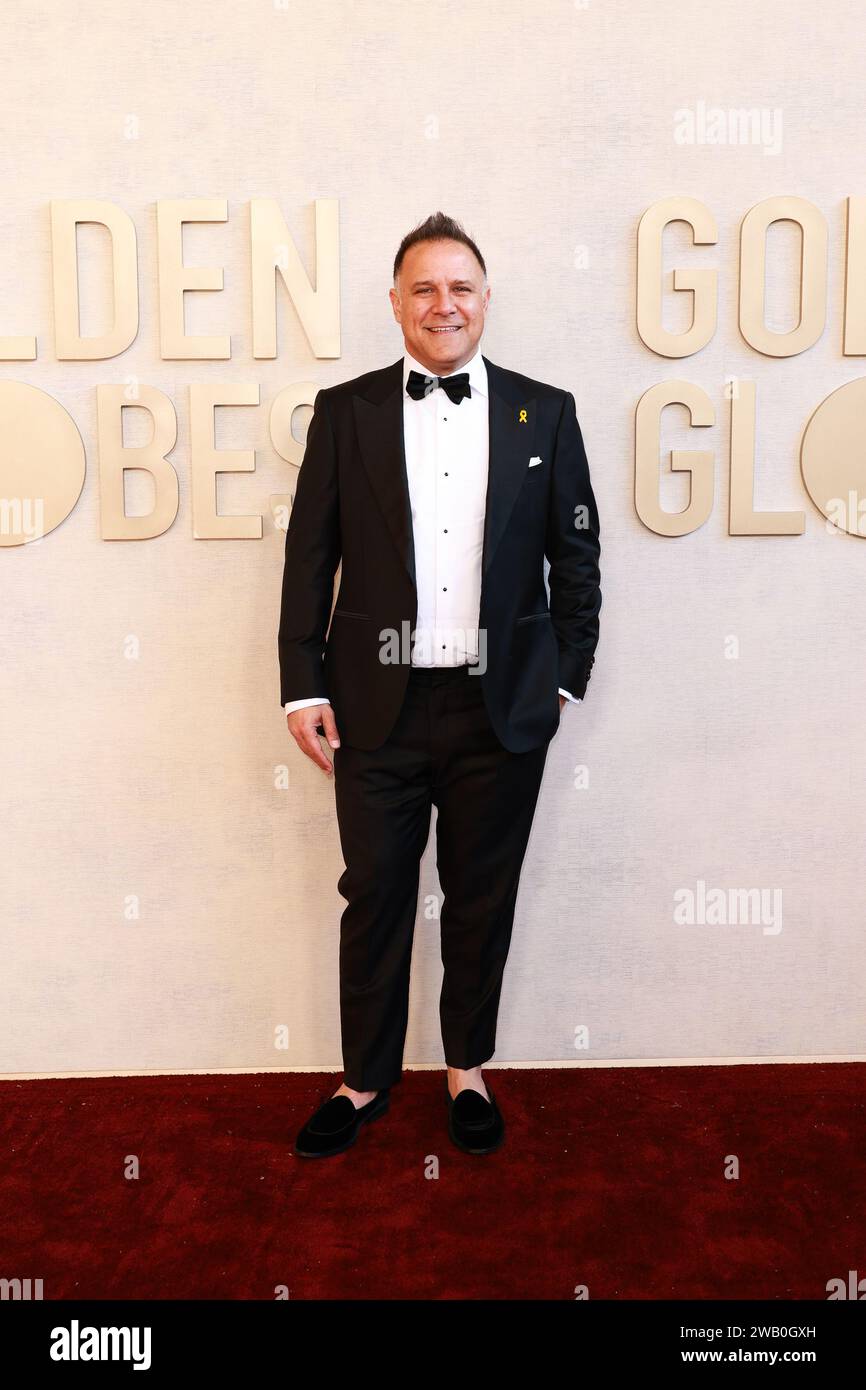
[534, 461]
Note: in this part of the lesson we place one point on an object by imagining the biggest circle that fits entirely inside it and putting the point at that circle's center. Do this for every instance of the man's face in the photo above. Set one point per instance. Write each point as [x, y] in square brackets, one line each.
[440, 287]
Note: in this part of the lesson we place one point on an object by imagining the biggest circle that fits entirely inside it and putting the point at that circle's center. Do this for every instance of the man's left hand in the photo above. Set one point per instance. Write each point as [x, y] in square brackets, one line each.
[562, 701]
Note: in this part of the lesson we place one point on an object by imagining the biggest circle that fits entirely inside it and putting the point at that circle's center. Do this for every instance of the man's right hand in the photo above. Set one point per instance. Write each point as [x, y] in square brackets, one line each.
[302, 727]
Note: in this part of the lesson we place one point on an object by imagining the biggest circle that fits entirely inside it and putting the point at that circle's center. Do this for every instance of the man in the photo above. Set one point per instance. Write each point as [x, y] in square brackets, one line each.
[442, 482]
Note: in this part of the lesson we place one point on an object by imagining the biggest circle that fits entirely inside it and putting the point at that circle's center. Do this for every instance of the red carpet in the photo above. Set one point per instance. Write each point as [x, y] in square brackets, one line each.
[609, 1178]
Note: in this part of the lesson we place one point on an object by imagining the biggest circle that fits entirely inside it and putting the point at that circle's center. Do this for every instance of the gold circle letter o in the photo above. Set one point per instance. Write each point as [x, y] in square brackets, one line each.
[42, 463]
[833, 460]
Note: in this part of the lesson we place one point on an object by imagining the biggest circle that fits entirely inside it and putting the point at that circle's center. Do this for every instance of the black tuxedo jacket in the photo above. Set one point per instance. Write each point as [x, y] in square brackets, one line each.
[352, 504]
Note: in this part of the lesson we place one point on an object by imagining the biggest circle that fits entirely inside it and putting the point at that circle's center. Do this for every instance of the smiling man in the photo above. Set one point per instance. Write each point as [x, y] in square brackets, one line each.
[442, 483]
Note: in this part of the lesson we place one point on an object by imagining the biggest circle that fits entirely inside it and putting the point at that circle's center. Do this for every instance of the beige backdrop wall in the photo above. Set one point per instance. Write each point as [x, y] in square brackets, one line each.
[548, 128]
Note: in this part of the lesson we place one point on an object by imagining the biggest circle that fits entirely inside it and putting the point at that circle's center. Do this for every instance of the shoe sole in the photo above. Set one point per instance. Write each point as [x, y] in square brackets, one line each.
[330, 1153]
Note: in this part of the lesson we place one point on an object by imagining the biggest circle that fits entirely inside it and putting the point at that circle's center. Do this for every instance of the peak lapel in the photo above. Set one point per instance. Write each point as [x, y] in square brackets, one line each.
[379, 422]
[512, 445]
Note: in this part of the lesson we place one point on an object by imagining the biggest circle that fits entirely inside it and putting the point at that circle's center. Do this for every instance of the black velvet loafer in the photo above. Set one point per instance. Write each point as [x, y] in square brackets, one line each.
[335, 1125]
[475, 1124]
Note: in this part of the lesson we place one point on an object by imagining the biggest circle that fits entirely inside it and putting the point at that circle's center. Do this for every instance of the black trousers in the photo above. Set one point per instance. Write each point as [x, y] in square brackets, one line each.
[442, 752]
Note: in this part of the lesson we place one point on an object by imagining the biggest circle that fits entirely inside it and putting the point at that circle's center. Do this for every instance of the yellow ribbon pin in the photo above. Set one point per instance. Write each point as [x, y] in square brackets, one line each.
[522, 417]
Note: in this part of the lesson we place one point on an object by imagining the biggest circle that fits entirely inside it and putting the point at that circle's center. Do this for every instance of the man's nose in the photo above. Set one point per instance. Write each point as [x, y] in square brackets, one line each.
[444, 305]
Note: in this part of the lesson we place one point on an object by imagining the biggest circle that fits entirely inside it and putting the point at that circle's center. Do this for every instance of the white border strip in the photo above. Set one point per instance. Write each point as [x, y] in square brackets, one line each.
[435, 1066]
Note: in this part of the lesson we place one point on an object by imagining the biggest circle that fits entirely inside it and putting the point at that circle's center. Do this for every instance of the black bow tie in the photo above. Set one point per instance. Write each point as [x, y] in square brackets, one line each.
[456, 387]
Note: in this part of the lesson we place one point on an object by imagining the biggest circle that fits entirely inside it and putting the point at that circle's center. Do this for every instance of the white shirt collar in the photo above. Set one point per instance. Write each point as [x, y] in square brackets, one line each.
[475, 367]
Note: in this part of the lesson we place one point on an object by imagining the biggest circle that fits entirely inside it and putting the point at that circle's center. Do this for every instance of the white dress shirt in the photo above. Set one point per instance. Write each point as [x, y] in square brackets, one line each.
[447, 454]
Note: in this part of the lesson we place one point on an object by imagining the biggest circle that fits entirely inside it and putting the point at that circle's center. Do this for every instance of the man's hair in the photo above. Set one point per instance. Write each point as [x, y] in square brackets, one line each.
[437, 227]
